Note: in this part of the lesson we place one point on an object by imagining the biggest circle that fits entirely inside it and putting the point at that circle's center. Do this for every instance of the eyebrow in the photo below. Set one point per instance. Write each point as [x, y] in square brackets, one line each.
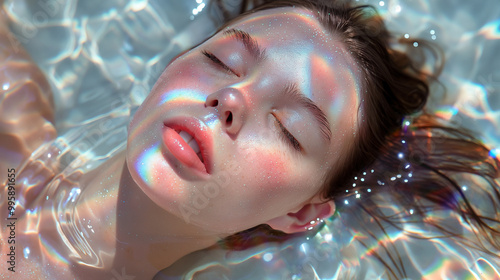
[251, 45]
[292, 92]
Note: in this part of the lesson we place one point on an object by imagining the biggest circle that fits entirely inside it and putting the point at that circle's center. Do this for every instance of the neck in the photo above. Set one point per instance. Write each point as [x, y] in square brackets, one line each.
[130, 228]
[147, 233]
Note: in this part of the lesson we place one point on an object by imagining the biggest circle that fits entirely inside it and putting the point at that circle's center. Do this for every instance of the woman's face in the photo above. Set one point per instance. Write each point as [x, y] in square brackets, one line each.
[272, 103]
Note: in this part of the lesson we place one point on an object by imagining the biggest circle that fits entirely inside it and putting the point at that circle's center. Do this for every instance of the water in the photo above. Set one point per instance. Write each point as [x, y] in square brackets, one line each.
[102, 58]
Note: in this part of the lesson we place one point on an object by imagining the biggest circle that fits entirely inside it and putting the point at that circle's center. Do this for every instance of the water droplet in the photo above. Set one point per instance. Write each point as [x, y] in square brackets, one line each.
[26, 252]
[267, 257]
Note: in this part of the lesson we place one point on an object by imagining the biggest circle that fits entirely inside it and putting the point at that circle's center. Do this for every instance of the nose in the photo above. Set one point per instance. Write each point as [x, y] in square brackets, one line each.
[231, 107]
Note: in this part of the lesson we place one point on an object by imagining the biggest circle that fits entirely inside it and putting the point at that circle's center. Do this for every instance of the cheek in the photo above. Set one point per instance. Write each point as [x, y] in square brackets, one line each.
[149, 166]
[273, 168]
[282, 182]
[266, 169]
[276, 182]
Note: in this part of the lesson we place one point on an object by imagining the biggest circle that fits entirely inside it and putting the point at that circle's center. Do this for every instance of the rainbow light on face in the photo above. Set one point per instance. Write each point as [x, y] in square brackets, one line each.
[143, 164]
[324, 70]
[325, 66]
[181, 95]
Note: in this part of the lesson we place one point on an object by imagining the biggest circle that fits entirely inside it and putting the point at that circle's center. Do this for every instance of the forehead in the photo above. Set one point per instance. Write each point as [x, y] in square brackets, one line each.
[303, 51]
[271, 22]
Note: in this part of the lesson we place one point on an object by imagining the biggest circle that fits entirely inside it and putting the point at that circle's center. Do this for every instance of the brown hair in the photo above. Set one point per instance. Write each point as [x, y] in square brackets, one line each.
[434, 153]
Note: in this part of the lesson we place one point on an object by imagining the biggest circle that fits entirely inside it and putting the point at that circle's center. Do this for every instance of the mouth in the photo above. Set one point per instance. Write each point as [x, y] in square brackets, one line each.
[189, 140]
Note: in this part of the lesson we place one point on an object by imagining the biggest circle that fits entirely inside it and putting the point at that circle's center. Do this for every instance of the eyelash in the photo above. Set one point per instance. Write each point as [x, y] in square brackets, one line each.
[285, 135]
[217, 61]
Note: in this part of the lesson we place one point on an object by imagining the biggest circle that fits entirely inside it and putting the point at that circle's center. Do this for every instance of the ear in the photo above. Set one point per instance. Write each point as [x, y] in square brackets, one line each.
[305, 218]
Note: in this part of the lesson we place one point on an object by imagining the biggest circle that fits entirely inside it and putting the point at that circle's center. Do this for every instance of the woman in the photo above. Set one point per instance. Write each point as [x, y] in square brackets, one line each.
[266, 122]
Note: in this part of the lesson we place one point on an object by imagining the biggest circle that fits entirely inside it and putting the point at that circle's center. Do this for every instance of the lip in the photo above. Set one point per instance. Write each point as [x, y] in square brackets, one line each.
[201, 134]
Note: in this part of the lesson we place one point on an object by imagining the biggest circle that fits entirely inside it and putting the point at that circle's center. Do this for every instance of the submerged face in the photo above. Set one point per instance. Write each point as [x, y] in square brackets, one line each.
[265, 151]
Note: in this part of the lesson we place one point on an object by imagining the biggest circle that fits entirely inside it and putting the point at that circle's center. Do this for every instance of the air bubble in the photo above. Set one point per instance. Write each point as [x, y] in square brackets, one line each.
[267, 257]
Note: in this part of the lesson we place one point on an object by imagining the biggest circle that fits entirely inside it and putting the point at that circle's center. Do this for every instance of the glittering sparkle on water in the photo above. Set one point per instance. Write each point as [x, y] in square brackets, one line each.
[268, 257]
[495, 152]
[26, 252]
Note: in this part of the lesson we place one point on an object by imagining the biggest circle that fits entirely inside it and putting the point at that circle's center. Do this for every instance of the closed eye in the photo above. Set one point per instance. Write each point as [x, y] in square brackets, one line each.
[217, 61]
[286, 136]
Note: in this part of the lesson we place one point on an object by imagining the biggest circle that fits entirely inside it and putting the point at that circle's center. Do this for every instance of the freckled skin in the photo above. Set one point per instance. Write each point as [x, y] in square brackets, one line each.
[274, 179]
